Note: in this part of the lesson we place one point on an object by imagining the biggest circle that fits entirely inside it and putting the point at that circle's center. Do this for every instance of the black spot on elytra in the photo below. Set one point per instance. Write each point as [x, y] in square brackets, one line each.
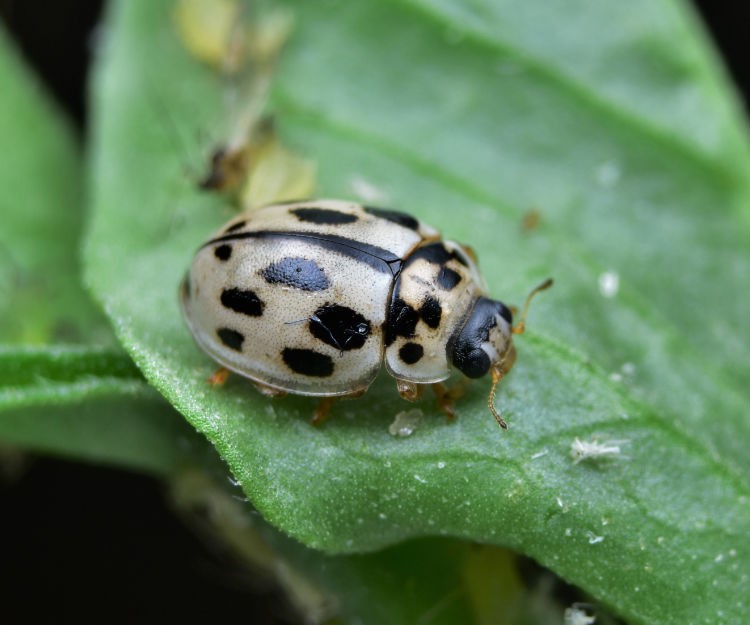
[340, 327]
[431, 312]
[223, 252]
[315, 215]
[300, 273]
[241, 301]
[231, 338]
[402, 320]
[238, 226]
[466, 348]
[397, 217]
[437, 253]
[411, 353]
[447, 279]
[308, 362]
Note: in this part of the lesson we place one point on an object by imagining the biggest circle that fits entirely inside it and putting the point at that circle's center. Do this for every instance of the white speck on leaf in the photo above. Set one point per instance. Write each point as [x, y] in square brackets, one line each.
[406, 422]
[609, 284]
[366, 190]
[594, 449]
[574, 615]
[593, 538]
[626, 371]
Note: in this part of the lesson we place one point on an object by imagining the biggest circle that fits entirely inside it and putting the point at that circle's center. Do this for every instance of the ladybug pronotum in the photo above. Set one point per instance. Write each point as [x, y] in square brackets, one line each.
[311, 297]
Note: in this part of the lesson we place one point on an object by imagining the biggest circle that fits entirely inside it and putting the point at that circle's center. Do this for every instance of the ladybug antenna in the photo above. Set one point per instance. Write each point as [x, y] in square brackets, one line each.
[520, 327]
[501, 368]
[497, 375]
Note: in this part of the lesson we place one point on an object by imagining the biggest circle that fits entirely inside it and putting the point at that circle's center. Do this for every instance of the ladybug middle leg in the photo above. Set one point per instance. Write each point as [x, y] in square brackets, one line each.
[446, 397]
[323, 409]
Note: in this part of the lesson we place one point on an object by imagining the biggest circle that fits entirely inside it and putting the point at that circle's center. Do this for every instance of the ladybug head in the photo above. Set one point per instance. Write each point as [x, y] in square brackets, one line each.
[484, 344]
[484, 339]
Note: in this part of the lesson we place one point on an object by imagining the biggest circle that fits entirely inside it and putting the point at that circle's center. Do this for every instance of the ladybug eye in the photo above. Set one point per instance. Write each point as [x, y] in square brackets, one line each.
[467, 353]
[476, 363]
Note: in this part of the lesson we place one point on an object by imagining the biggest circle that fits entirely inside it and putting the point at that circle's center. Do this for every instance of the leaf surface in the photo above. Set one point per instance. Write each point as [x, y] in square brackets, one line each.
[41, 203]
[61, 390]
[622, 138]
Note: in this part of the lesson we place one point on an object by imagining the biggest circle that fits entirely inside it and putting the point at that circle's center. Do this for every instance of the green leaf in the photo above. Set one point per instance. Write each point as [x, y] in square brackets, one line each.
[41, 203]
[85, 402]
[89, 404]
[615, 125]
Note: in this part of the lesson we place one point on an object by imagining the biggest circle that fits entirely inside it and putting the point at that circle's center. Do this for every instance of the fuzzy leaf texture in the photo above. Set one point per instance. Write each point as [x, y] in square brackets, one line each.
[611, 122]
[64, 388]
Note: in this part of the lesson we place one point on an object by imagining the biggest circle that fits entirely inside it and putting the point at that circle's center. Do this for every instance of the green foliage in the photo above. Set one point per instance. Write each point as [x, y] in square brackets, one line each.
[84, 400]
[614, 124]
[41, 196]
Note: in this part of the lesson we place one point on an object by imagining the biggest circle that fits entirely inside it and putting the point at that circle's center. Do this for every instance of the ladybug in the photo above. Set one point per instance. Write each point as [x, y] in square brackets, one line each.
[310, 298]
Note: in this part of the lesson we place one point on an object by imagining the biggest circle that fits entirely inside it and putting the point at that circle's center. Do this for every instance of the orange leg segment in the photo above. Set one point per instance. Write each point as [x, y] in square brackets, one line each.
[219, 377]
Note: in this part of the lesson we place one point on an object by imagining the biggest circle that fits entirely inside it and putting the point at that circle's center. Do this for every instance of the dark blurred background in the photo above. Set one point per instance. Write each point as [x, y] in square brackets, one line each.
[89, 544]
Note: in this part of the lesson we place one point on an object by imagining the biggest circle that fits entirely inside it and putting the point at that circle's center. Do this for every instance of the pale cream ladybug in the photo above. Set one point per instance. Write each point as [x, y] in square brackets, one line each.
[310, 297]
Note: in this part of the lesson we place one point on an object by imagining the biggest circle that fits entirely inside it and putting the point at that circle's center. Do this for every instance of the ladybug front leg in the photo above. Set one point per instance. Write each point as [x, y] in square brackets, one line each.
[323, 409]
[447, 396]
[410, 391]
[219, 377]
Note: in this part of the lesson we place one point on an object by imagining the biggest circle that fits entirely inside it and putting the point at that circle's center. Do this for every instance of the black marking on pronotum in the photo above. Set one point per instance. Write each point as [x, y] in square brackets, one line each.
[431, 312]
[300, 273]
[315, 215]
[460, 257]
[242, 301]
[465, 350]
[411, 353]
[340, 327]
[378, 258]
[223, 252]
[402, 320]
[238, 226]
[505, 313]
[447, 279]
[397, 217]
[308, 362]
[231, 338]
[437, 253]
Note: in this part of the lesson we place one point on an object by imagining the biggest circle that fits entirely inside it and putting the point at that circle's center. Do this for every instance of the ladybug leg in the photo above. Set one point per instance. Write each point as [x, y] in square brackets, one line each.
[410, 391]
[323, 409]
[268, 391]
[447, 396]
[219, 377]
